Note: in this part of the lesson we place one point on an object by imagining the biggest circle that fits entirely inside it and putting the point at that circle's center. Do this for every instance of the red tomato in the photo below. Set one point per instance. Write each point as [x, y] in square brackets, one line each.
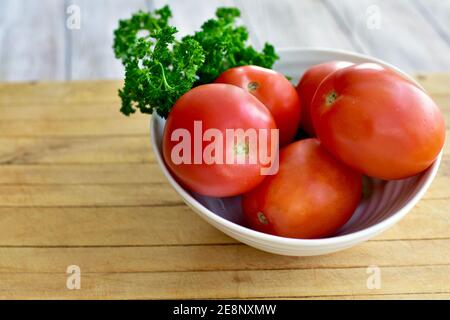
[219, 107]
[378, 122]
[311, 196]
[274, 91]
[308, 85]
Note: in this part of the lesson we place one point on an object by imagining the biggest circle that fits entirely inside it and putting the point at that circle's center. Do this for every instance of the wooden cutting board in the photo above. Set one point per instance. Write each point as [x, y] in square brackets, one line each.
[79, 185]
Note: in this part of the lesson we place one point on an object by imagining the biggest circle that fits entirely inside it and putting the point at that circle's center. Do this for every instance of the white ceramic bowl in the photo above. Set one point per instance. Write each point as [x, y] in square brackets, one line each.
[389, 202]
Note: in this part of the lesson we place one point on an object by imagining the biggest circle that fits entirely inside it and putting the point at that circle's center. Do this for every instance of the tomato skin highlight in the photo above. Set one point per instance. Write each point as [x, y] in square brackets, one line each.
[379, 123]
[312, 195]
[308, 86]
[221, 107]
[274, 91]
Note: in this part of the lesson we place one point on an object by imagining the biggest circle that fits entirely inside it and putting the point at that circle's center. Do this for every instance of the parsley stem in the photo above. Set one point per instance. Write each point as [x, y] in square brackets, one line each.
[155, 25]
[164, 79]
[232, 59]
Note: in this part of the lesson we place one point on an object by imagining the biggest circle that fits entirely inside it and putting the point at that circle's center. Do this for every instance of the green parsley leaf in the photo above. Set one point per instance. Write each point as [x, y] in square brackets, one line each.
[159, 69]
[225, 46]
[160, 72]
[131, 31]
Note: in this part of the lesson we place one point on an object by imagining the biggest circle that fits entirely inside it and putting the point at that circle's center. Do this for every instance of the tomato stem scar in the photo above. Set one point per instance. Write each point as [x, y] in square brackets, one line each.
[241, 148]
[262, 218]
[252, 86]
[330, 98]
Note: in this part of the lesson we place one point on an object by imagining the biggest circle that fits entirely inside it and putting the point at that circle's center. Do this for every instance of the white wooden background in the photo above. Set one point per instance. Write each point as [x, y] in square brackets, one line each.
[35, 43]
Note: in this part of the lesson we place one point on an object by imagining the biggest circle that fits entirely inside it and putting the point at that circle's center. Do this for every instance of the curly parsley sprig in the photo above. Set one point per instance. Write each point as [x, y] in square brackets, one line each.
[159, 69]
[158, 74]
[136, 29]
[225, 46]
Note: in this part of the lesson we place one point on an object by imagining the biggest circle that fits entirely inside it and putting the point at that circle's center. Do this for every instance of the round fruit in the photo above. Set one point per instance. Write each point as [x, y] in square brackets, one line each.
[311, 196]
[308, 85]
[274, 91]
[195, 141]
[378, 122]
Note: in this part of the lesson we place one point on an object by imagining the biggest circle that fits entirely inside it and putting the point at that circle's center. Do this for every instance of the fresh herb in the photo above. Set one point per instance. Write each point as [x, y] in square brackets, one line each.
[225, 46]
[136, 29]
[159, 72]
[159, 68]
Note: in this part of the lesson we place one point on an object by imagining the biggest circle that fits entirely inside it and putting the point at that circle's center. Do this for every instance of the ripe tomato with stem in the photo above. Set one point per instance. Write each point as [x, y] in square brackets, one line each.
[308, 85]
[274, 90]
[378, 122]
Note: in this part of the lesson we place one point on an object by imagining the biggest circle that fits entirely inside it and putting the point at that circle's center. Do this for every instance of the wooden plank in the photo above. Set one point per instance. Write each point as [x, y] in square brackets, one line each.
[29, 48]
[129, 173]
[121, 194]
[233, 284]
[109, 173]
[75, 128]
[83, 109]
[93, 149]
[111, 226]
[103, 120]
[400, 36]
[437, 13]
[74, 195]
[443, 101]
[435, 84]
[111, 149]
[438, 190]
[164, 226]
[414, 296]
[91, 55]
[148, 172]
[103, 173]
[293, 27]
[292, 23]
[47, 93]
[421, 215]
[52, 111]
[188, 16]
[225, 257]
[139, 125]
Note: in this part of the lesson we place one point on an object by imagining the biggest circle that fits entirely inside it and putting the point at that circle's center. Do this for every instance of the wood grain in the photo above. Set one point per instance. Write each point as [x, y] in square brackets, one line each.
[233, 284]
[73, 195]
[51, 111]
[93, 93]
[188, 16]
[43, 94]
[145, 194]
[106, 226]
[91, 55]
[411, 296]
[73, 127]
[32, 44]
[80, 185]
[436, 85]
[220, 258]
[32, 121]
[299, 24]
[158, 226]
[87, 191]
[108, 149]
[105, 173]
[400, 36]
[35, 43]
[437, 14]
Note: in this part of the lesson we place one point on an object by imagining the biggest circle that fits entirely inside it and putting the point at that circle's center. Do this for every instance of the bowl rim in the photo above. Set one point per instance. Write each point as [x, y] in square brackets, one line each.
[380, 226]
